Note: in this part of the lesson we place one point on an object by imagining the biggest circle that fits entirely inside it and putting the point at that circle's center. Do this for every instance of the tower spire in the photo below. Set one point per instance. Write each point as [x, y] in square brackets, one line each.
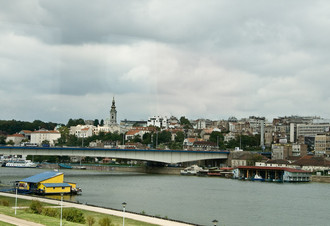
[113, 113]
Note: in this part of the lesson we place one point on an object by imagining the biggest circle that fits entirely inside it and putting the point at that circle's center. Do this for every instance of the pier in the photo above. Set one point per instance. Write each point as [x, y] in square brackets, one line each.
[271, 174]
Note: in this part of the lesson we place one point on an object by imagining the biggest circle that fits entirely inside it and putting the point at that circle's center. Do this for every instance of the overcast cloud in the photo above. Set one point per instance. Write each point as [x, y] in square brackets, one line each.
[200, 59]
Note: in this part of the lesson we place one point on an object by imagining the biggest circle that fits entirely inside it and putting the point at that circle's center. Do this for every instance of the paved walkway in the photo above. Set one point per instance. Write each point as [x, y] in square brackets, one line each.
[17, 221]
[151, 220]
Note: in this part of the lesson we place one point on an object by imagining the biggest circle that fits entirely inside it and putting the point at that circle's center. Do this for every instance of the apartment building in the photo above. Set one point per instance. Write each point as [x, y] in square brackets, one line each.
[322, 145]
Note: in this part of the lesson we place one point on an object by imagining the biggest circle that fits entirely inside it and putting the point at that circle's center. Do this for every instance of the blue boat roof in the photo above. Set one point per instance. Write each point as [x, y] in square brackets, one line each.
[49, 185]
[41, 177]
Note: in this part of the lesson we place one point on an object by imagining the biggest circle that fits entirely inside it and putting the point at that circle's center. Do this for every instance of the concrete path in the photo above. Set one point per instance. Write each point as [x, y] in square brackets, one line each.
[17, 221]
[151, 220]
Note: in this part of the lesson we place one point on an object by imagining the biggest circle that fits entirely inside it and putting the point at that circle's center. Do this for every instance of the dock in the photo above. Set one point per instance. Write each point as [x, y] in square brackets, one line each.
[271, 174]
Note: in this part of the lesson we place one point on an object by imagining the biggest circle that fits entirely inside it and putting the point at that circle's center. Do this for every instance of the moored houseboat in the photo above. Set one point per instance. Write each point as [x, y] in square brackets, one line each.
[271, 174]
[47, 183]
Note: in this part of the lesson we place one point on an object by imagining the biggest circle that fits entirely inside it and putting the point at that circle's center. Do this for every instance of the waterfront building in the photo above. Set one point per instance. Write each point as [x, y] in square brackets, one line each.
[299, 149]
[274, 163]
[130, 123]
[26, 134]
[311, 130]
[266, 173]
[281, 151]
[312, 163]
[244, 158]
[138, 131]
[322, 145]
[15, 138]
[204, 146]
[37, 137]
[82, 131]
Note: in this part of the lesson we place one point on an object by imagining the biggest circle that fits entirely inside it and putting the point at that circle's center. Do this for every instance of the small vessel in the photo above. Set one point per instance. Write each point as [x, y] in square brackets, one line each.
[258, 178]
[214, 171]
[191, 170]
[20, 163]
[64, 166]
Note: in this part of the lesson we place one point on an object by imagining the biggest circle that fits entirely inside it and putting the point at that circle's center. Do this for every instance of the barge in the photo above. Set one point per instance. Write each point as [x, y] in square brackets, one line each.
[271, 174]
[47, 183]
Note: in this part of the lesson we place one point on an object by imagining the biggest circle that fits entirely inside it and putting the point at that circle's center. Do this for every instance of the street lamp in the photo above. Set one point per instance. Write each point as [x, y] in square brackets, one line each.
[215, 222]
[16, 200]
[61, 208]
[124, 205]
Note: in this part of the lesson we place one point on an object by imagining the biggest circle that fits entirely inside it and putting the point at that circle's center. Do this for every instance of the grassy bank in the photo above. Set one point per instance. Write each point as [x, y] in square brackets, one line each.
[7, 204]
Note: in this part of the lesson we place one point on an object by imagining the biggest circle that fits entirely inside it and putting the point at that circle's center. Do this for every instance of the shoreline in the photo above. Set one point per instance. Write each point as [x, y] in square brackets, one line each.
[104, 210]
[158, 170]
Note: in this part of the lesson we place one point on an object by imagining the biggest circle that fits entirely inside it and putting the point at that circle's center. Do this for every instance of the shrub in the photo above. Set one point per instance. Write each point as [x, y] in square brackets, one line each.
[36, 207]
[74, 215]
[105, 221]
[4, 202]
[50, 212]
[90, 220]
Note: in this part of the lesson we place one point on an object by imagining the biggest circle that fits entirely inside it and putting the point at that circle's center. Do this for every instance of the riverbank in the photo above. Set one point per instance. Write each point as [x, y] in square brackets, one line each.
[108, 211]
[320, 179]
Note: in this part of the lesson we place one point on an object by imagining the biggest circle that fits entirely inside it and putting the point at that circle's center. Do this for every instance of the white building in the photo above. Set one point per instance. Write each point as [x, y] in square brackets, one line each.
[158, 121]
[16, 138]
[82, 131]
[37, 137]
[311, 130]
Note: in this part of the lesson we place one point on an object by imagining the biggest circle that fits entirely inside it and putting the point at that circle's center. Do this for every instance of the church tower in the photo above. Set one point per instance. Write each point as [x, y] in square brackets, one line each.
[113, 113]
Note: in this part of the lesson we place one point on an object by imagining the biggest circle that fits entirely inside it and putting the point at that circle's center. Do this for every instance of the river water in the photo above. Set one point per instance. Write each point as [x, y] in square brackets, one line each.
[198, 200]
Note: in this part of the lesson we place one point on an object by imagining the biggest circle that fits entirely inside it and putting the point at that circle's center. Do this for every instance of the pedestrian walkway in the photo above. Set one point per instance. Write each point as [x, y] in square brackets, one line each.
[17, 221]
[138, 217]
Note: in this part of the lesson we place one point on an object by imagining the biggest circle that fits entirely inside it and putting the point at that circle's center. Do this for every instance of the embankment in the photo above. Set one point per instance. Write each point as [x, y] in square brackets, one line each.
[320, 179]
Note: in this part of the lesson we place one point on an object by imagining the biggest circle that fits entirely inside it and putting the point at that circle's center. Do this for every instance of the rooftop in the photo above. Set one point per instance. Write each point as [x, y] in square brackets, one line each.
[41, 177]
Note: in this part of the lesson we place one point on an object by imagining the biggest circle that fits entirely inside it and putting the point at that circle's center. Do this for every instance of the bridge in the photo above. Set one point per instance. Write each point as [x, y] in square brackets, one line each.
[164, 156]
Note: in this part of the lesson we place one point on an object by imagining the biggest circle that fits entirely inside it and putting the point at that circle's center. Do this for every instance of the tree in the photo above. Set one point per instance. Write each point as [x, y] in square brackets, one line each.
[75, 122]
[217, 138]
[64, 131]
[146, 138]
[185, 123]
[164, 137]
[2, 140]
[96, 122]
[10, 142]
[179, 137]
[90, 220]
[45, 143]
[102, 122]
[137, 138]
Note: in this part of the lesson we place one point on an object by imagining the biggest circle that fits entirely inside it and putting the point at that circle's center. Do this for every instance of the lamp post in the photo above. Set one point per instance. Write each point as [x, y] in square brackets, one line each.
[16, 201]
[61, 208]
[215, 222]
[124, 205]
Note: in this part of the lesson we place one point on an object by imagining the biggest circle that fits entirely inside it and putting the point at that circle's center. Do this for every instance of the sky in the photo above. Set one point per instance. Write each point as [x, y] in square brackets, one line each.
[199, 59]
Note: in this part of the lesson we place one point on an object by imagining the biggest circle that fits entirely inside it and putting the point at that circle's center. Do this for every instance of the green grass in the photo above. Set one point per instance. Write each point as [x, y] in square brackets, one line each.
[5, 224]
[115, 220]
[45, 220]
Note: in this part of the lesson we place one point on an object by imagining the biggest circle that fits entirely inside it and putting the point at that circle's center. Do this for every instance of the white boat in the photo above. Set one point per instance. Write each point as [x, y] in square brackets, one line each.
[258, 178]
[191, 170]
[21, 164]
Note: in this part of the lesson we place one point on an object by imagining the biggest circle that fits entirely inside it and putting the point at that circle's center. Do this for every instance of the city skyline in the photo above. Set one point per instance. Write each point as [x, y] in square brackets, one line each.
[61, 60]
